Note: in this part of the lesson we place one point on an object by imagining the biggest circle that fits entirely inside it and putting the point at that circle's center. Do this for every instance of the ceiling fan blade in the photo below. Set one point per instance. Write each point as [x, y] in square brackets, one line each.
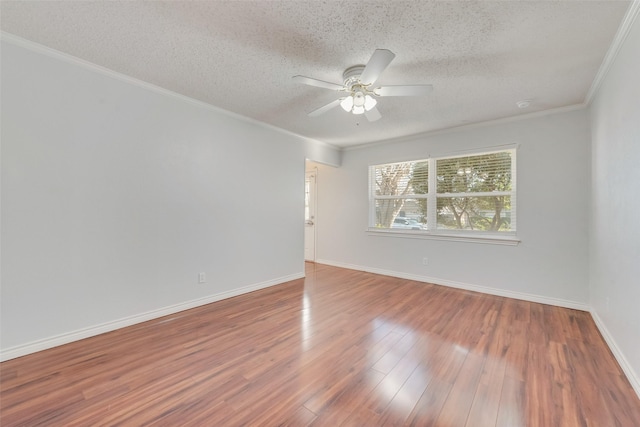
[325, 108]
[404, 90]
[317, 83]
[379, 61]
[373, 114]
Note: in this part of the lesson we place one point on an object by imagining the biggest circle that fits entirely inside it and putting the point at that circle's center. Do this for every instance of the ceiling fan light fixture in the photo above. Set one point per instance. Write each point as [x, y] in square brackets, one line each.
[347, 103]
[369, 102]
[358, 103]
[358, 99]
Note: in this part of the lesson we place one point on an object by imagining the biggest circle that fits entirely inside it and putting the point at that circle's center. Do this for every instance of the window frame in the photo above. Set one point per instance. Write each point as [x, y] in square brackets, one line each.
[475, 236]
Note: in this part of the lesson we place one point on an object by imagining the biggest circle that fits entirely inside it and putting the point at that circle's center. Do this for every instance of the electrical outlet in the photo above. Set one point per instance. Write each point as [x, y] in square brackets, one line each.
[425, 261]
[202, 278]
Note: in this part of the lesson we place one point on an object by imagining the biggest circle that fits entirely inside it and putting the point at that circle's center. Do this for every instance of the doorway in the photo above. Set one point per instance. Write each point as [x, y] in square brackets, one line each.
[310, 184]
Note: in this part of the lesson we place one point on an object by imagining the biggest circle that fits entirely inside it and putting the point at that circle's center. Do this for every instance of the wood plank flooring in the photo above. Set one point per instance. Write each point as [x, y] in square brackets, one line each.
[338, 348]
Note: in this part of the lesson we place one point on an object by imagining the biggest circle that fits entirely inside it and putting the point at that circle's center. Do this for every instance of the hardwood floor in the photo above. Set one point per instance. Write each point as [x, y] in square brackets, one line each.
[339, 348]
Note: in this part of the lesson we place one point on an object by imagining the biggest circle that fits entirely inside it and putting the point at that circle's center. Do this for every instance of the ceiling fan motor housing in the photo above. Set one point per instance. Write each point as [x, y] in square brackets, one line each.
[352, 75]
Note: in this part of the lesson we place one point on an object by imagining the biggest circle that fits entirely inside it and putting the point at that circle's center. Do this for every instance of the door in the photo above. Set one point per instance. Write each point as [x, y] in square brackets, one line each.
[310, 216]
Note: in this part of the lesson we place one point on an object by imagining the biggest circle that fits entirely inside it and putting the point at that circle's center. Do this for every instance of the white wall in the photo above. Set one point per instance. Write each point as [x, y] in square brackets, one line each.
[550, 263]
[116, 195]
[615, 206]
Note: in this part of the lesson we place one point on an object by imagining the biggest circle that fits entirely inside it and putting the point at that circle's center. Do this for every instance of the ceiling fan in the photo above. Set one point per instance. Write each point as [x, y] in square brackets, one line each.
[359, 86]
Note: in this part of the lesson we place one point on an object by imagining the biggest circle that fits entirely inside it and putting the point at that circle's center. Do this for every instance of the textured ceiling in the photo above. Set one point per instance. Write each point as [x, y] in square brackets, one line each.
[480, 57]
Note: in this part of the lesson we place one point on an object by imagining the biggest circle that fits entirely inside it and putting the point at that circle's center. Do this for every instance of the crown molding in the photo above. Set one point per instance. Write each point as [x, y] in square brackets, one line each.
[470, 126]
[614, 49]
[53, 53]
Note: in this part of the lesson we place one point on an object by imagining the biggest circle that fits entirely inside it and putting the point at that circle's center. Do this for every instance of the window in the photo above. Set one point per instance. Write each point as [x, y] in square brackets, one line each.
[468, 194]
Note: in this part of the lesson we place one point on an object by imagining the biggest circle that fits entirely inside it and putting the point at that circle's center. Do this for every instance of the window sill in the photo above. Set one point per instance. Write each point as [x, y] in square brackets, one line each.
[492, 239]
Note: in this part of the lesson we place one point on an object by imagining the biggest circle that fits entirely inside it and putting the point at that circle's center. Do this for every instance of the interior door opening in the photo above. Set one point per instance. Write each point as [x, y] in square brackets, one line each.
[310, 183]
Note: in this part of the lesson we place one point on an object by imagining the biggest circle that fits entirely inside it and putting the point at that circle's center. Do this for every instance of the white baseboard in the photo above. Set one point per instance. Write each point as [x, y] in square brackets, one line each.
[43, 344]
[632, 376]
[466, 286]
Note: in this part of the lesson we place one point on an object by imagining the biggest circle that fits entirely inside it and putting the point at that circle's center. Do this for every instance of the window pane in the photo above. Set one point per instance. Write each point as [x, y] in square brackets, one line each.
[409, 214]
[420, 178]
[474, 193]
[491, 213]
[401, 178]
[480, 173]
